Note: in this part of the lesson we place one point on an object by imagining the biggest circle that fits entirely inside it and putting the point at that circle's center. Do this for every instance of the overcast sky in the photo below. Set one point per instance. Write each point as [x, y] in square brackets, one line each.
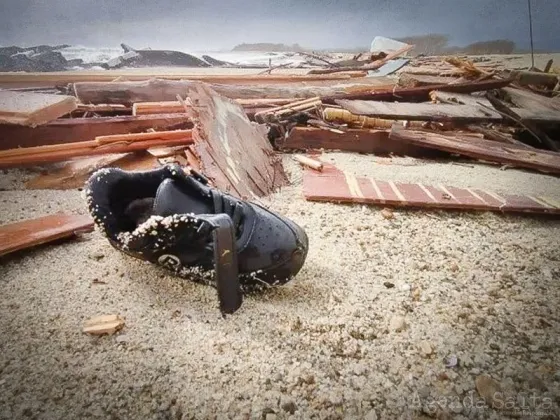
[194, 25]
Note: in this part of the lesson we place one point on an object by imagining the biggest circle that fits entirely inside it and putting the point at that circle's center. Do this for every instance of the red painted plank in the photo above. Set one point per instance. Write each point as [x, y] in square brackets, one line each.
[29, 233]
[336, 186]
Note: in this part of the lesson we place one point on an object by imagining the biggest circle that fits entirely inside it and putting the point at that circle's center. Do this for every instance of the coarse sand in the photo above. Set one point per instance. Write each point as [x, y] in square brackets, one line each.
[389, 318]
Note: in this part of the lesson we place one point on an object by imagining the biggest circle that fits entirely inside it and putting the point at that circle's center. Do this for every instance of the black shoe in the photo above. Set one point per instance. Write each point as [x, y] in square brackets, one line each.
[175, 220]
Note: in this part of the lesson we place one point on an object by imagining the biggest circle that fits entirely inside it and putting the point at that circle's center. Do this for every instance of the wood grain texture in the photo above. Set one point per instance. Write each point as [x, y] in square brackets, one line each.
[30, 233]
[32, 109]
[232, 150]
[487, 150]
[333, 185]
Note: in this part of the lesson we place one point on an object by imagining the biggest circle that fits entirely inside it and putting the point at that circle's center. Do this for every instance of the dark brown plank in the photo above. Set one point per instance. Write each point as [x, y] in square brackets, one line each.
[234, 152]
[491, 151]
[361, 141]
[29, 233]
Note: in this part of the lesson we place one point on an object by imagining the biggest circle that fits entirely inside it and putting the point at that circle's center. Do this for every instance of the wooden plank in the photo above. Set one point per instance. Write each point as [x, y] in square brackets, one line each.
[30, 233]
[232, 150]
[174, 107]
[158, 90]
[360, 141]
[333, 185]
[420, 112]
[525, 99]
[420, 94]
[75, 173]
[20, 79]
[441, 112]
[102, 145]
[72, 130]
[491, 151]
[32, 109]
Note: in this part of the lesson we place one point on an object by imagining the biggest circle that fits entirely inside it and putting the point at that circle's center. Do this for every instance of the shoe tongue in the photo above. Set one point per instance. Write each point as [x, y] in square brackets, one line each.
[173, 197]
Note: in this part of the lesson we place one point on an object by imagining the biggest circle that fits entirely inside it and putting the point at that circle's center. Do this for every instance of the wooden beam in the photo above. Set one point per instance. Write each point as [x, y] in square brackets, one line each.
[526, 78]
[71, 130]
[33, 109]
[420, 94]
[360, 141]
[102, 145]
[490, 151]
[18, 79]
[29, 233]
[333, 185]
[158, 90]
[173, 107]
[441, 112]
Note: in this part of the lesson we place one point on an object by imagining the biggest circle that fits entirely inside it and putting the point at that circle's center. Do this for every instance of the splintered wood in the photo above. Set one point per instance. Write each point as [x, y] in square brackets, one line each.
[491, 151]
[234, 152]
[30, 233]
[32, 109]
[333, 185]
[118, 143]
[103, 325]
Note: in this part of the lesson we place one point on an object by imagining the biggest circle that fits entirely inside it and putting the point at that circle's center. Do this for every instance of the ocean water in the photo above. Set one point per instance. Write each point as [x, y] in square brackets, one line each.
[252, 58]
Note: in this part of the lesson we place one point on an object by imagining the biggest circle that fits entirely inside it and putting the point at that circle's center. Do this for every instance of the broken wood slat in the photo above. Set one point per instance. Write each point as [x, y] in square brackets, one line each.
[407, 80]
[495, 135]
[420, 94]
[526, 78]
[30, 233]
[459, 98]
[61, 78]
[525, 99]
[420, 111]
[361, 141]
[285, 110]
[32, 109]
[372, 66]
[441, 112]
[102, 108]
[333, 185]
[45, 154]
[75, 173]
[234, 152]
[72, 130]
[99, 141]
[490, 151]
[173, 107]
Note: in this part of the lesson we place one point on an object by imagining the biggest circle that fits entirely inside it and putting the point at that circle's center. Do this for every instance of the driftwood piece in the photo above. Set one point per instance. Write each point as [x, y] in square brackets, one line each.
[490, 151]
[103, 325]
[158, 90]
[33, 109]
[310, 163]
[522, 98]
[30, 233]
[234, 152]
[333, 185]
[72, 130]
[526, 78]
[372, 66]
[420, 94]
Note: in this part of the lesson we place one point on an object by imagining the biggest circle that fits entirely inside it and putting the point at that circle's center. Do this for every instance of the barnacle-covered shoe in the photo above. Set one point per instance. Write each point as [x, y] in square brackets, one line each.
[170, 216]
